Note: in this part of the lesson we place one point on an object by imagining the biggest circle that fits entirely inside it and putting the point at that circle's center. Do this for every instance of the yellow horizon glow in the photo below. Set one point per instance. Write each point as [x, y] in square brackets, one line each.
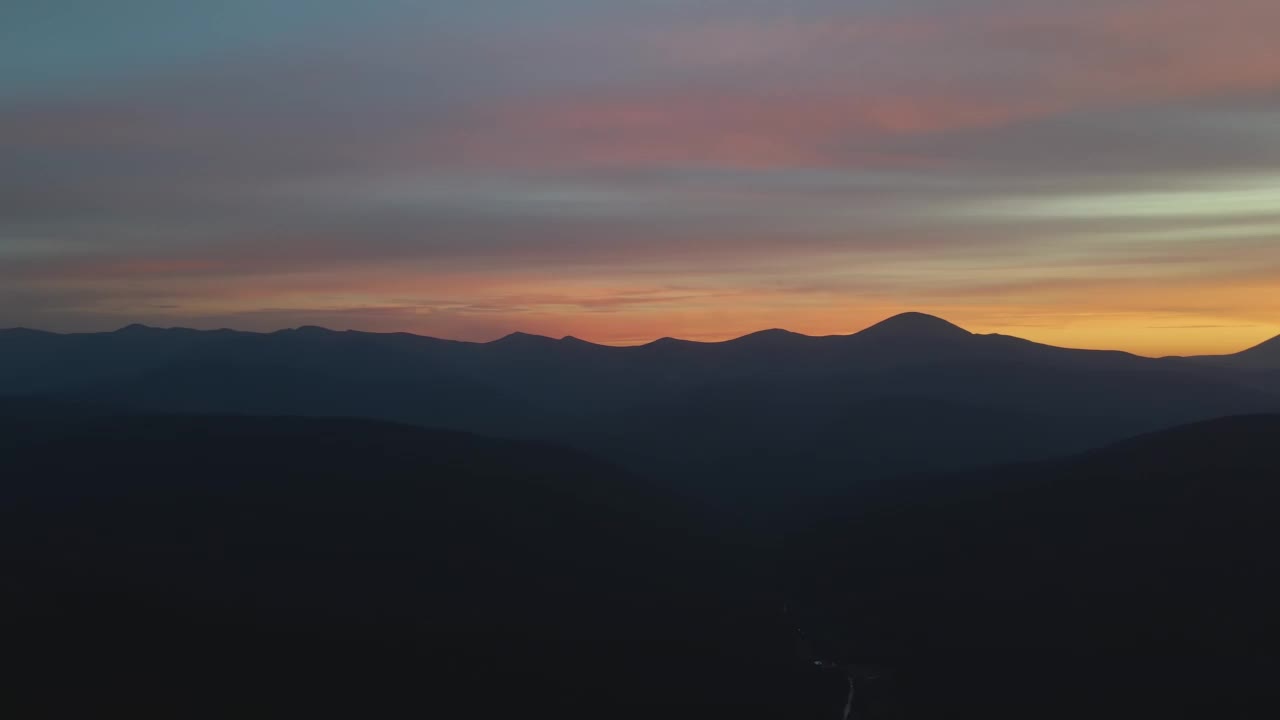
[1158, 315]
[1154, 336]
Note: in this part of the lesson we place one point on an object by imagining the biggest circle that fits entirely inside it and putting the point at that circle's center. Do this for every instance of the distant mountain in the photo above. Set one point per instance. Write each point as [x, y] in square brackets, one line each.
[1268, 352]
[1140, 579]
[915, 326]
[760, 420]
[212, 566]
[33, 361]
[1265, 356]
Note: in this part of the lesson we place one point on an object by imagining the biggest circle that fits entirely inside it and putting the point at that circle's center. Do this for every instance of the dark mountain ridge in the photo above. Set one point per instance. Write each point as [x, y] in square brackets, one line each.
[761, 409]
[903, 325]
[197, 566]
[916, 326]
[1265, 356]
[200, 566]
[907, 331]
[1135, 580]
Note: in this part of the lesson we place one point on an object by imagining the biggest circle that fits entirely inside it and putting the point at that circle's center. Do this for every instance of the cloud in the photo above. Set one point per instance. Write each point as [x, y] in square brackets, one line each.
[625, 171]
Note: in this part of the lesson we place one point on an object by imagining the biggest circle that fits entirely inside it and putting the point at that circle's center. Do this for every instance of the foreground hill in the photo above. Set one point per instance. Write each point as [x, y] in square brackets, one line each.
[754, 420]
[1139, 580]
[210, 566]
[203, 566]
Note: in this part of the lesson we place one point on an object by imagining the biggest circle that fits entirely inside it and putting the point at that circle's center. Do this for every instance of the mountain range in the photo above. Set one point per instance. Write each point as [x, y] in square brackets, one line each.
[1135, 580]
[770, 419]
[912, 521]
[203, 566]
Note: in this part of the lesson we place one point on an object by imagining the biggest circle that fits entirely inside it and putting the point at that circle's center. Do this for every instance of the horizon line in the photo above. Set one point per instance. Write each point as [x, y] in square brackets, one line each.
[908, 316]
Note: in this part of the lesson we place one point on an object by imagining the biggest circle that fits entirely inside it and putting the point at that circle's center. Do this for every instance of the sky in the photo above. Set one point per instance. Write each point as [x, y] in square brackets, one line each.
[1086, 173]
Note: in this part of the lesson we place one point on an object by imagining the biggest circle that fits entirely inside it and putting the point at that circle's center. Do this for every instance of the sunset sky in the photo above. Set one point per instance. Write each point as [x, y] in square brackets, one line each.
[1085, 173]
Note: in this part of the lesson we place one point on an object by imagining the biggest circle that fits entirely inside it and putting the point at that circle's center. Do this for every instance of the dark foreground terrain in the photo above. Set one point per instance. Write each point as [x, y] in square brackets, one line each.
[237, 566]
[194, 565]
[1135, 581]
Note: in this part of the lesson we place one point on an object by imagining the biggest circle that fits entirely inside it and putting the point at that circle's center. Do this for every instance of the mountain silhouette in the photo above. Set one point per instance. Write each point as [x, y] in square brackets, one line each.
[767, 340]
[1135, 579]
[137, 329]
[390, 518]
[1269, 349]
[915, 326]
[523, 340]
[199, 566]
[22, 332]
[729, 422]
[1265, 356]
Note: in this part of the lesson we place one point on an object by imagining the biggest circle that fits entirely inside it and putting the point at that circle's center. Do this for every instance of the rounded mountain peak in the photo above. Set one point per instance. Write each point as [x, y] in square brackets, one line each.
[522, 339]
[916, 326]
[307, 331]
[136, 328]
[774, 337]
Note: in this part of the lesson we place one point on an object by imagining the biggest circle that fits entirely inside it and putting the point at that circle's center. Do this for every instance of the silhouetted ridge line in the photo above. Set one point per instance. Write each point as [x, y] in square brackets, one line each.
[571, 341]
[771, 337]
[1269, 348]
[1263, 356]
[915, 326]
[522, 339]
[909, 324]
[1208, 439]
[912, 328]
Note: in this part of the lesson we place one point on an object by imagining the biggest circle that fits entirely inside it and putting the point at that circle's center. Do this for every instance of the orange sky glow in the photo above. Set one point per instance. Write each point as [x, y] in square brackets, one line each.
[1088, 174]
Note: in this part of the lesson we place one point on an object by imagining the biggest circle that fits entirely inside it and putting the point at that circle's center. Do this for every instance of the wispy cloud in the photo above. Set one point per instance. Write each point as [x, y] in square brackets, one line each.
[624, 171]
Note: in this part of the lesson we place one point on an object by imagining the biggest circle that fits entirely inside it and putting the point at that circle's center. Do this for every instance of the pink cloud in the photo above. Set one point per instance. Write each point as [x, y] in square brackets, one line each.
[841, 91]
[725, 130]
